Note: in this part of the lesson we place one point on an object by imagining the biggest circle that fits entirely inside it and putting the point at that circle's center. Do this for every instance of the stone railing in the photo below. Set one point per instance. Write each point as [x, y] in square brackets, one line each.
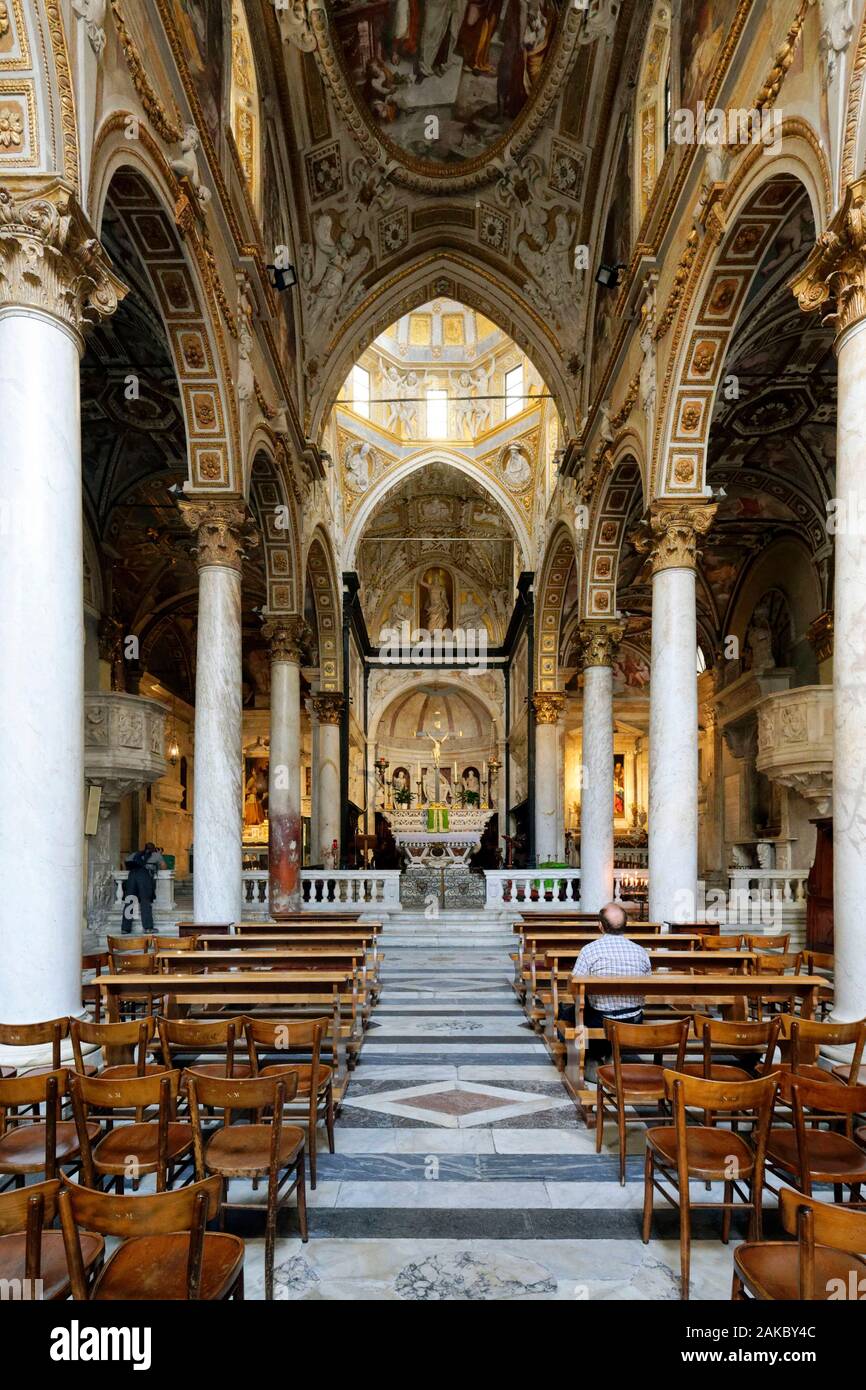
[335, 889]
[163, 903]
[774, 899]
[256, 900]
[531, 890]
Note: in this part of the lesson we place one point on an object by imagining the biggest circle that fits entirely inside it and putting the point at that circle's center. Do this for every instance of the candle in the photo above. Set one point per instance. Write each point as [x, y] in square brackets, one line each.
[455, 774]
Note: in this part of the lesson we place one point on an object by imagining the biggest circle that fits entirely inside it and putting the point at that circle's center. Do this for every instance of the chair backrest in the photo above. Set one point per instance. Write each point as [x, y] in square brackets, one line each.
[52, 1031]
[126, 1093]
[824, 1097]
[133, 963]
[108, 1036]
[737, 1035]
[649, 1037]
[241, 1093]
[25, 1207]
[178, 943]
[840, 1227]
[185, 1033]
[36, 1089]
[817, 961]
[807, 1034]
[759, 942]
[163, 1213]
[284, 1035]
[145, 942]
[777, 962]
[719, 1096]
[720, 943]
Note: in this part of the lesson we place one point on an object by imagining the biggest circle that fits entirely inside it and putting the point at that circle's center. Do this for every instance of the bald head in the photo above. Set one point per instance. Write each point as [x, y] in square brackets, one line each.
[613, 917]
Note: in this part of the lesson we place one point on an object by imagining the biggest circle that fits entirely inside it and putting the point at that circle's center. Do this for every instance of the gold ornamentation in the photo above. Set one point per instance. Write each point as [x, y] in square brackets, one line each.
[4, 18]
[820, 635]
[170, 128]
[67, 97]
[328, 708]
[11, 128]
[288, 638]
[837, 265]
[681, 277]
[784, 58]
[670, 533]
[599, 642]
[548, 706]
[224, 530]
[50, 258]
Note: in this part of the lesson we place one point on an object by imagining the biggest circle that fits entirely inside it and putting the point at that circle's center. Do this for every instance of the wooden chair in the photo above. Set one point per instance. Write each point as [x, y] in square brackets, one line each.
[135, 963]
[760, 942]
[732, 1037]
[130, 1148]
[635, 1083]
[165, 1251]
[821, 963]
[802, 1156]
[721, 943]
[774, 963]
[32, 1255]
[251, 1150]
[682, 1152]
[131, 1041]
[191, 1036]
[825, 1262]
[178, 943]
[91, 994]
[801, 1039]
[30, 1144]
[52, 1033]
[315, 1078]
[121, 945]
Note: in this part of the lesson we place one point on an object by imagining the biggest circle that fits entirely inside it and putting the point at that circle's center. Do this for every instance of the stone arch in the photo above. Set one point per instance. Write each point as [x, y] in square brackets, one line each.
[383, 486]
[446, 274]
[173, 246]
[320, 572]
[460, 683]
[556, 569]
[752, 209]
[613, 506]
[37, 92]
[278, 527]
[787, 565]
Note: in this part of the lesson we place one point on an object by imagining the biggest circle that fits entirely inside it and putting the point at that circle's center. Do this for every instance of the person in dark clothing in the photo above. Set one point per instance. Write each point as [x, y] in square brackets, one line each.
[139, 885]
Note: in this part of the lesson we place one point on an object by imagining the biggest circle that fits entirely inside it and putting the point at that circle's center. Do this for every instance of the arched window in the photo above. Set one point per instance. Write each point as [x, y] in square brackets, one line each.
[653, 113]
[245, 101]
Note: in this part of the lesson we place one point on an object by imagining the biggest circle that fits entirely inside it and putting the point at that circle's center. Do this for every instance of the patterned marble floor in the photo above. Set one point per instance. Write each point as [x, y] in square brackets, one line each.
[462, 1170]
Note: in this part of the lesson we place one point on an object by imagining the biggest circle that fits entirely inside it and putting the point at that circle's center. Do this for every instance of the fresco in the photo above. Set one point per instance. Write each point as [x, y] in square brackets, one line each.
[615, 250]
[201, 25]
[704, 25]
[470, 64]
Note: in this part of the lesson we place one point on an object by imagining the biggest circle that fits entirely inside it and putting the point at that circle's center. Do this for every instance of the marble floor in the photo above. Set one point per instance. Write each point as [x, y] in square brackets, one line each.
[462, 1170]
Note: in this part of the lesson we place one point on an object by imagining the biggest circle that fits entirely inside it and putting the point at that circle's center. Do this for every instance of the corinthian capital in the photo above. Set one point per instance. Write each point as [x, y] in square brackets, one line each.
[50, 258]
[223, 530]
[287, 638]
[548, 706]
[599, 642]
[328, 708]
[671, 531]
[837, 265]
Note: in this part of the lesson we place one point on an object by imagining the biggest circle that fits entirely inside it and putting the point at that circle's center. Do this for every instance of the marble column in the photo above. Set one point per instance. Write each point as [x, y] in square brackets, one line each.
[599, 642]
[223, 533]
[286, 639]
[548, 707]
[54, 280]
[328, 708]
[671, 537]
[838, 266]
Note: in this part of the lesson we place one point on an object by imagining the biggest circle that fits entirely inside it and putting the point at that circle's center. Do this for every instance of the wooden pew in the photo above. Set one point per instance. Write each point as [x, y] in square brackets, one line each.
[294, 957]
[729, 992]
[349, 937]
[533, 942]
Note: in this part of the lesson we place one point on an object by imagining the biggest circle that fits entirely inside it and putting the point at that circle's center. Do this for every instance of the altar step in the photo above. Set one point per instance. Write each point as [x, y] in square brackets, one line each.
[480, 930]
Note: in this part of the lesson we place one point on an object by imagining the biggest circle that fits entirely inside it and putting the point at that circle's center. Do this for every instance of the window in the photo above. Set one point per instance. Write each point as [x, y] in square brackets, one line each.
[701, 661]
[359, 391]
[514, 391]
[667, 112]
[437, 414]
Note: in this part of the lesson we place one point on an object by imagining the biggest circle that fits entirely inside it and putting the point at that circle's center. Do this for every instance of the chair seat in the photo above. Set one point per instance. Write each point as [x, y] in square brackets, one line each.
[771, 1268]
[53, 1272]
[155, 1267]
[719, 1071]
[638, 1078]
[305, 1071]
[842, 1072]
[243, 1150]
[22, 1150]
[141, 1141]
[831, 1157]
[709, 1151]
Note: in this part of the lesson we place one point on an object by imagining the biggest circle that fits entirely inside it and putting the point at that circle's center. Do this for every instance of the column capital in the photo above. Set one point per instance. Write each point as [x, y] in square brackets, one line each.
[548, 706]
[50, 257]
[670, 533]
[223, 529]
[837, 264]
[328, 707]
[599, 642]
[286, 636]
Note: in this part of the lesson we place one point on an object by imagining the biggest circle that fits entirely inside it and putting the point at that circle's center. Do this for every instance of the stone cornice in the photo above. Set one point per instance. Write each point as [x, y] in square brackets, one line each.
[837, 265]
[671, 531]
[223, 530]
[599, 643]
[50, 257]
[548, 706]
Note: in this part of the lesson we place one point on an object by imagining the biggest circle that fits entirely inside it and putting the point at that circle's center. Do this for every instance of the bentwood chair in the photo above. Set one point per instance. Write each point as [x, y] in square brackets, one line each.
[754, 1043]
[50, 1034]
[123, 945]
[315, 1093]
[130, 1147]
[804, 1156]
[29, 1143]
[32, 1256]
[132, 1042]
[801, 1038]
[760, 942]
[182, 1041]
[679, 1153]
[164, 1251]
[825, 1262]
[620, 1083]
[720, 943]
[251, 1150]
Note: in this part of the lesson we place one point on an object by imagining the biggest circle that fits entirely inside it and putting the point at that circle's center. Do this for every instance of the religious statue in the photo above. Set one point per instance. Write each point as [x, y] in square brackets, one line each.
[437, 609]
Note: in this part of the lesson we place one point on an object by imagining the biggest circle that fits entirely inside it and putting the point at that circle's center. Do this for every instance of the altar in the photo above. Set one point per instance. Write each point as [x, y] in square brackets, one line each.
[438, 835]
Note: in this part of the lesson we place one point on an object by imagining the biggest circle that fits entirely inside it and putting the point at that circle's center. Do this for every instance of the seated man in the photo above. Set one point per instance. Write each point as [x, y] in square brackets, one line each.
[612, 954]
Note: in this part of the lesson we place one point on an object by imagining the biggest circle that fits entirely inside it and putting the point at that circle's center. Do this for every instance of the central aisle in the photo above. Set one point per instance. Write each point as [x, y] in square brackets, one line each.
[462, 1170]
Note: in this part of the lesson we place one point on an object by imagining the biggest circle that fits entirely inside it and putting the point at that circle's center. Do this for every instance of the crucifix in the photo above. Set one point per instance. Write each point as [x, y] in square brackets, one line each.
[437, 739]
